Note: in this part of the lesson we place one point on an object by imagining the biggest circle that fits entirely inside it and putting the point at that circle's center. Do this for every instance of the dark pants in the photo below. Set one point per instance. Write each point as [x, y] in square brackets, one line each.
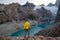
[26, 31]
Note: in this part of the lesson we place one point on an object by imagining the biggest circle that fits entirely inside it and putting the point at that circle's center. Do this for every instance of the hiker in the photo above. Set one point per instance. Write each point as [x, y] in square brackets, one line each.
[26, 27]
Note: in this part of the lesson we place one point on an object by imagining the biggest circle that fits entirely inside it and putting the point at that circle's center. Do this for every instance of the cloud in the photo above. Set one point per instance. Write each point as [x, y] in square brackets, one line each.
[10, 1]
[36, 2]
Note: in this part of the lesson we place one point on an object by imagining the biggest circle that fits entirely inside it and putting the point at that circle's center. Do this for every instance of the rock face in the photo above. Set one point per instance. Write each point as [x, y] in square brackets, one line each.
[45, 14]
[57, 3]
[58, 15]
[54, 30]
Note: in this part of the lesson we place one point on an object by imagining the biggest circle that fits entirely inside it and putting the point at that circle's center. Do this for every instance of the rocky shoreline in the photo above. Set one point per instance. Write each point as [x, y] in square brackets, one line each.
[30, 38]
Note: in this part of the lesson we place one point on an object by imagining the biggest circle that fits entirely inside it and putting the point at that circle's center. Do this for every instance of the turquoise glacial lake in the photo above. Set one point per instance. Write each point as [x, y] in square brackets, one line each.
[33, 30]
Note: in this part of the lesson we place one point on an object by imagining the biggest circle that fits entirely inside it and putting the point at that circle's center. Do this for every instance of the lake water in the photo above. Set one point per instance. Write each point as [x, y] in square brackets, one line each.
[33, 30]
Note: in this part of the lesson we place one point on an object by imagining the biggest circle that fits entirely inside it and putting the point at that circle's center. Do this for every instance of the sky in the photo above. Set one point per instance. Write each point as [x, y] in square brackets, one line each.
[22, 2]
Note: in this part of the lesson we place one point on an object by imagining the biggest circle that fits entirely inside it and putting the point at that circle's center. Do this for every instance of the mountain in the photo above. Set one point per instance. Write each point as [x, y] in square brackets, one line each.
[53, 30]
[50, 4]
[45, 14]
[16, 12]
[9, 12]
[42, 5]
[53, 9]
[29, 5]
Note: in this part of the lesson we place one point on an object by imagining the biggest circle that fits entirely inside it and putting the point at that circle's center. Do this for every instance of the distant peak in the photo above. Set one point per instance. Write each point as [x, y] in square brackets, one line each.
[27, 2]
[42, 5]
[29, 5]
[51, 4]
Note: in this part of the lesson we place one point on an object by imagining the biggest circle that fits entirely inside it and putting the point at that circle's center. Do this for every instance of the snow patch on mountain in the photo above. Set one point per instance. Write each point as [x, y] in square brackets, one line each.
[53, 9]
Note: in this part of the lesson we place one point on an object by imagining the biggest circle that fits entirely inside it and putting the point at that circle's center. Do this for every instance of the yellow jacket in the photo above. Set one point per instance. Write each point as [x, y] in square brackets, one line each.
[26, 25]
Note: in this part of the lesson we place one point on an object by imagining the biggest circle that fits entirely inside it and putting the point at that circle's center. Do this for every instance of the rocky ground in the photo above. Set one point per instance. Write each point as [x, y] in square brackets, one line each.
[30, 38]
